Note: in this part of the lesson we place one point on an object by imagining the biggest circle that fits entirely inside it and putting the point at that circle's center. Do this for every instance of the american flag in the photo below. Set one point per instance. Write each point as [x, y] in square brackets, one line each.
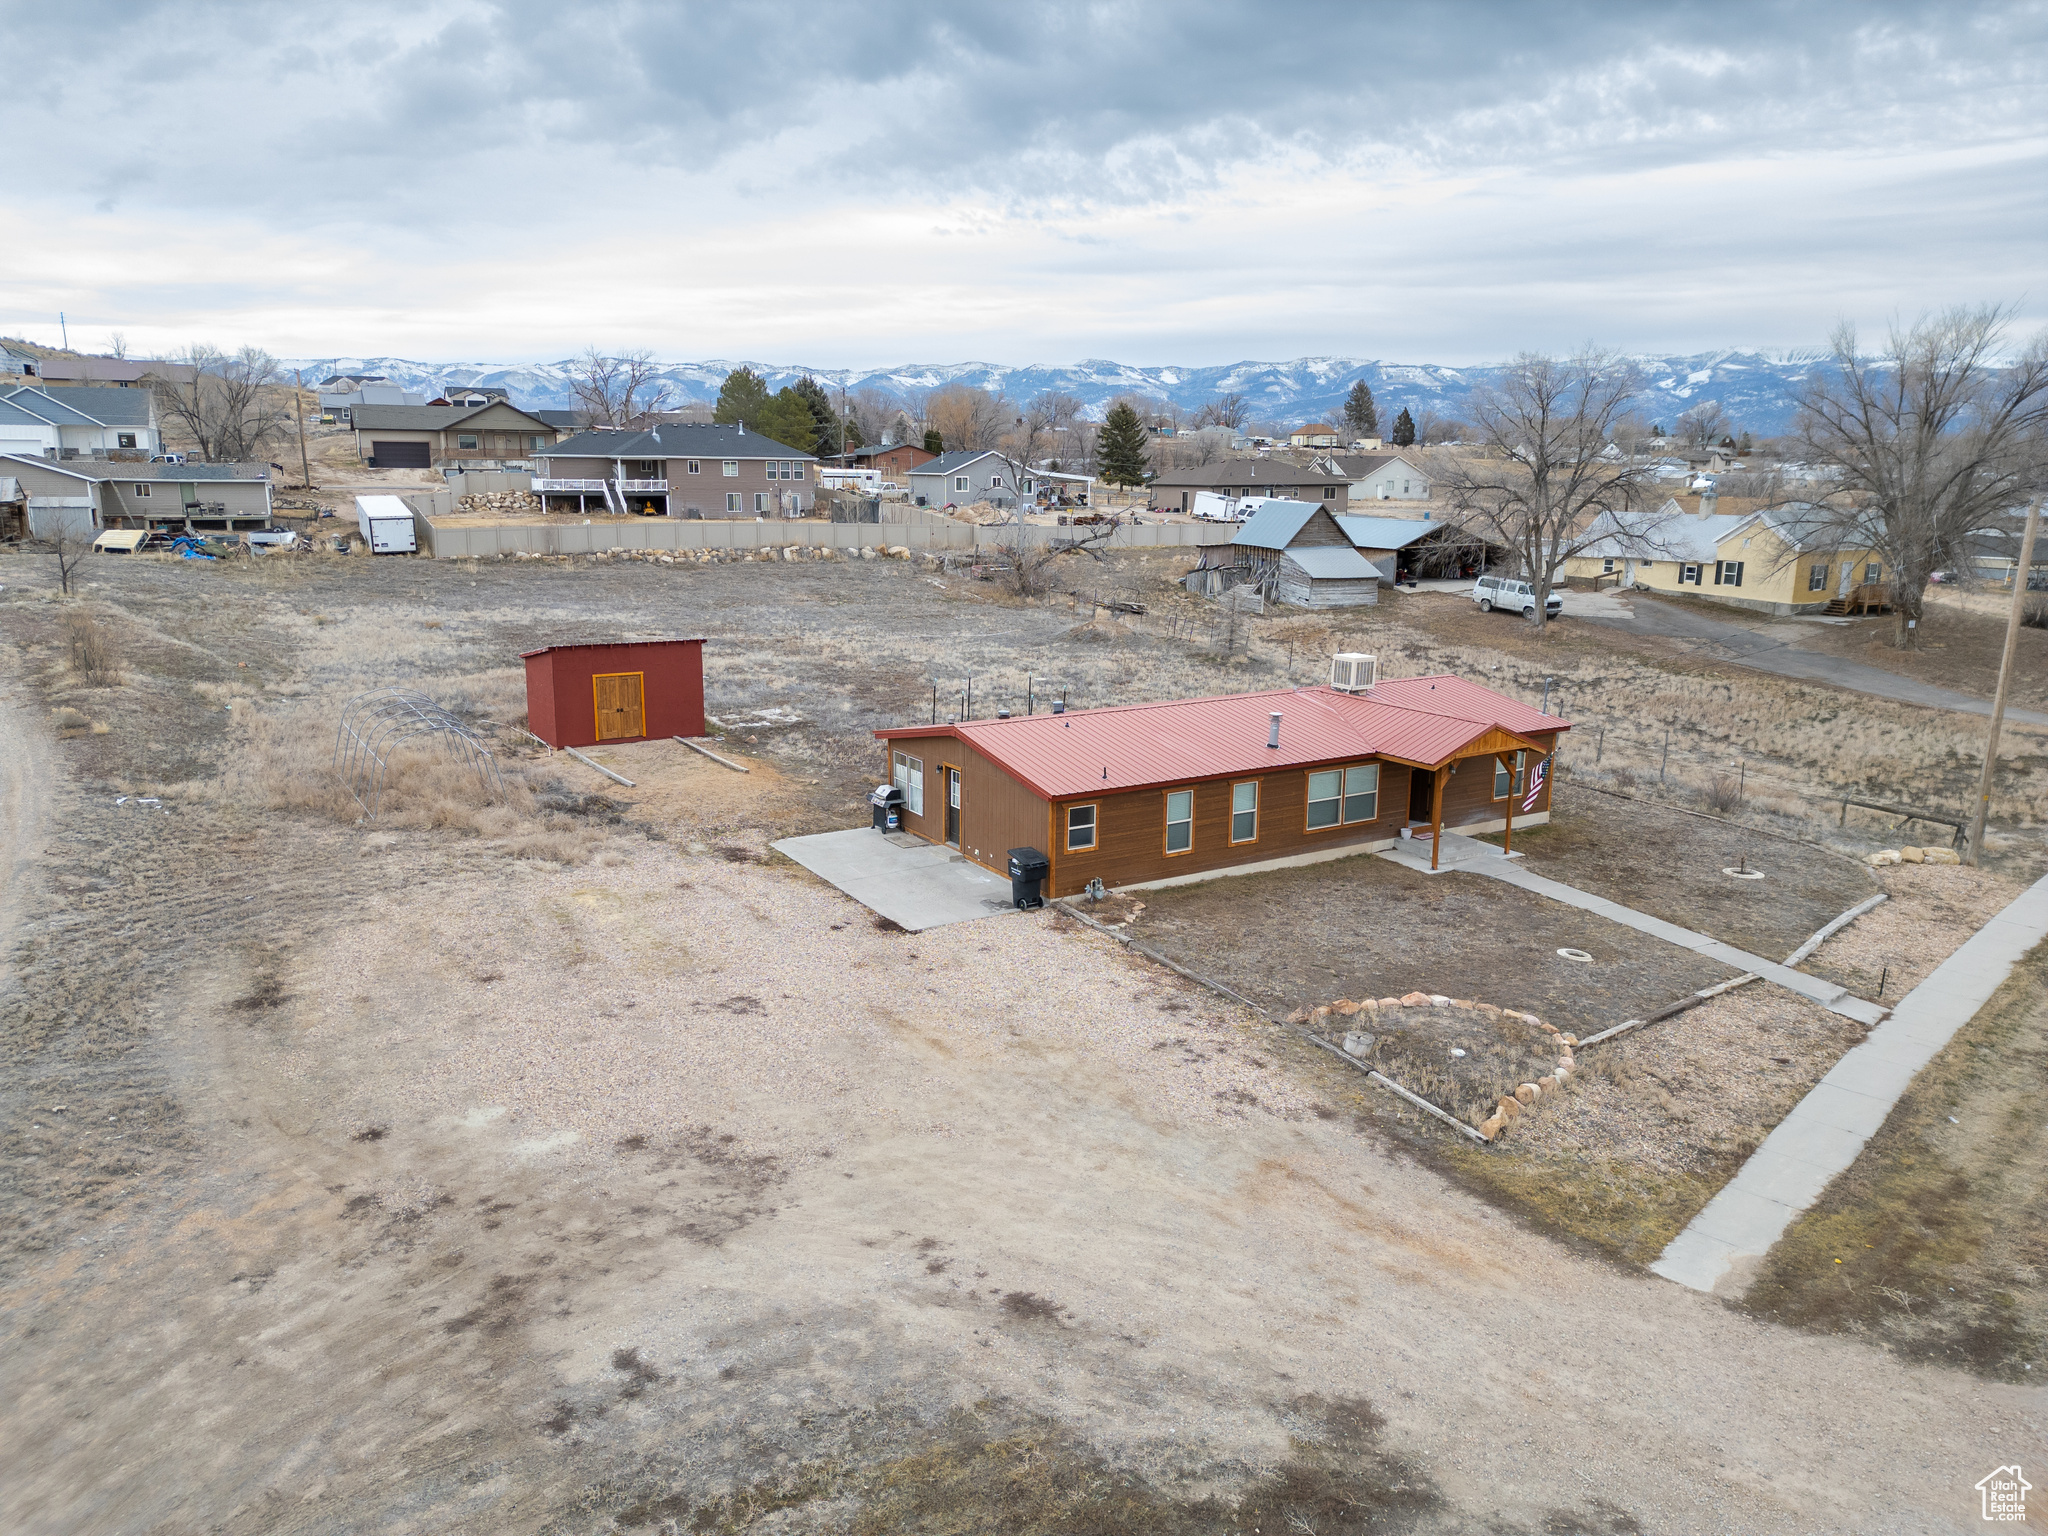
[1535, 784]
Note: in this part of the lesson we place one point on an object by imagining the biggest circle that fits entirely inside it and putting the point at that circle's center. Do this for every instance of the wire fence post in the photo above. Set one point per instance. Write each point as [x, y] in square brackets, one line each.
[1665, 762]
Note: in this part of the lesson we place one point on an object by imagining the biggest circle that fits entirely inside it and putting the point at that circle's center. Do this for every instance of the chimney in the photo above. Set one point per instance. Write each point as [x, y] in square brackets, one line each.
[1708, 503]
[1273, 730]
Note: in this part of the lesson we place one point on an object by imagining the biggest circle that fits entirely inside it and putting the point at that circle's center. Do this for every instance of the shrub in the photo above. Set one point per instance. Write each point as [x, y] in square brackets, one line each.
[1724, 794]
[94, 657]
[2034, 612]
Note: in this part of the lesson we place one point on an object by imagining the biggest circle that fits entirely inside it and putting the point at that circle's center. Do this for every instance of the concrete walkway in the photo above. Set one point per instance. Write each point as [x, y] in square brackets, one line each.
[915, 884]
[1475, 857]
[1826, 1131]
[1767, 652]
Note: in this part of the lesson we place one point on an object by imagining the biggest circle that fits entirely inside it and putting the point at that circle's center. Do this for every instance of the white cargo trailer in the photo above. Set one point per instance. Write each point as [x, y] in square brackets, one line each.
[386, 524]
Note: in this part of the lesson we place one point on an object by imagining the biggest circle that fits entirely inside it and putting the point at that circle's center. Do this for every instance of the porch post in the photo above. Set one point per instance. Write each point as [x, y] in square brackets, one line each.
[1507, 842]
[1436, 816]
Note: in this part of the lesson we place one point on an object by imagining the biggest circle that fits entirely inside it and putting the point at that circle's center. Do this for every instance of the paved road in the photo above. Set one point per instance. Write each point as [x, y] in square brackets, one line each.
[1749, 648]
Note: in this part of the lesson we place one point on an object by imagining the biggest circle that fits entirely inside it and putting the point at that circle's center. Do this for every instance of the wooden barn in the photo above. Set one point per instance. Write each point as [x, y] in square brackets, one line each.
[1154, 794]
[626, 690]
[1295, 552]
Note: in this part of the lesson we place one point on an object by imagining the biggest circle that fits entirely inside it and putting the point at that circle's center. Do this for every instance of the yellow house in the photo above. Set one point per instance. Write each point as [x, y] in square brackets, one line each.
[1782, 560]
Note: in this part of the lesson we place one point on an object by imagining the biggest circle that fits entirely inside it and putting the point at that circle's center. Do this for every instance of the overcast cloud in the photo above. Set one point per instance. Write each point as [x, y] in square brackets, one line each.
[1185, 183]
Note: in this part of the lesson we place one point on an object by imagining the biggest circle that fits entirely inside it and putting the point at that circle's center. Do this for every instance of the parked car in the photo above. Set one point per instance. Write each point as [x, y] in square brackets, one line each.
[1491, 592]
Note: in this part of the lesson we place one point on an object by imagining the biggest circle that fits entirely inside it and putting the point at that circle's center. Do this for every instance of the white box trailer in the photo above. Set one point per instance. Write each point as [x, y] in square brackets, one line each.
[386, 524]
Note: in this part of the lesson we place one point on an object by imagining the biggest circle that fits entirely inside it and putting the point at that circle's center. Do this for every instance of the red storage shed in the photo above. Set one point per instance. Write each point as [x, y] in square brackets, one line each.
[628, 690]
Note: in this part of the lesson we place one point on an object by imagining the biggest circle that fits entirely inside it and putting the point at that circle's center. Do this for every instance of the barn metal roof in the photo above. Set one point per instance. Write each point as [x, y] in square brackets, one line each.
[1326, 562]
[592, 645]
[1099, 751]
[1385, 532]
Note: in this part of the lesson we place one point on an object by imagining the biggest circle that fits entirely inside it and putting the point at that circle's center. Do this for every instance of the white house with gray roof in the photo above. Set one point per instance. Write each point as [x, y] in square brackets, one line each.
[84, 495]
[65, 423]
[970, 475]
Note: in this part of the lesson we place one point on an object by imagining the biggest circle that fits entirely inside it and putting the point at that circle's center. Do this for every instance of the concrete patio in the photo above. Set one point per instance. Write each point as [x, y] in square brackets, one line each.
[915, 884]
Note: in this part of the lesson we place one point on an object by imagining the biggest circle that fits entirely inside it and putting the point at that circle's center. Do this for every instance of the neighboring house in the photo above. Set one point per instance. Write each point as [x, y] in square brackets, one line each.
[1781, 560]
[565, 422]
[493, 436]
[1317, 434]
[66, 423]
[1387, 476]
[1296, 552]
[893, 460]
[1994, 554]
[1157, 794]
[960, 479]
[115, 372]
[1174, 490]
[86, 495]
[1382, 540]
[470, 395]
[340, 397]
[683, 469]
[17, 366]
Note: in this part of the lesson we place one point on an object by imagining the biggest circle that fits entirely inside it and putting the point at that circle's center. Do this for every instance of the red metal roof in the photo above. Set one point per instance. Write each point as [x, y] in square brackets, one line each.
[601, 645]
[1088, 751]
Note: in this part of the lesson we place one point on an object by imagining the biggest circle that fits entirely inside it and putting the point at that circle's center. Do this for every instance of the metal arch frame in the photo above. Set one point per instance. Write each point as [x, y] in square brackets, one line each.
[374, 724]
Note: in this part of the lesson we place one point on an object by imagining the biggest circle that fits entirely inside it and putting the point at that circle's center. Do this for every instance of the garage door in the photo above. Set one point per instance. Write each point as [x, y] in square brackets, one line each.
[401, 455]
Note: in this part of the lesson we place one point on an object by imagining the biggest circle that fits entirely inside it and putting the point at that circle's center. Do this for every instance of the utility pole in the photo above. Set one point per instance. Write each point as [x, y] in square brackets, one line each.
[2012, 640]
[299, 409]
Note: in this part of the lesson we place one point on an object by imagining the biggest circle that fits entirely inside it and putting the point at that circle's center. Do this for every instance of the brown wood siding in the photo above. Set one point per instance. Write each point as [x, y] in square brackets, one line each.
[1321, 530]
[1468, 793]
[996, 812]
[1130, 838]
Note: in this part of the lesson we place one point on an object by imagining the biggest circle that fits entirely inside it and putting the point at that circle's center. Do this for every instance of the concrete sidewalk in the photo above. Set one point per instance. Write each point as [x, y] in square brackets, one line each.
[915, 884]
[1826, 1131]
[1477, 858]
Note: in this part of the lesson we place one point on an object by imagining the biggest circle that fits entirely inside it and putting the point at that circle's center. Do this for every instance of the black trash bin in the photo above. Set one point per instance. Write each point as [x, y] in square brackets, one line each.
[1028, 869]
[887, 800]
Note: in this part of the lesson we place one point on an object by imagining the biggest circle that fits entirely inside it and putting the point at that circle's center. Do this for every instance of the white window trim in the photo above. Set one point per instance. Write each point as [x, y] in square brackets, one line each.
[730, 469]
[1093, 808]
[909, 778]
[1243, 842]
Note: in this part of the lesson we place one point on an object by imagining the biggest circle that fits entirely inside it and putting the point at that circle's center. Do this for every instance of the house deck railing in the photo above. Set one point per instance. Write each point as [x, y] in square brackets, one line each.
[643, 485]
[593, 486]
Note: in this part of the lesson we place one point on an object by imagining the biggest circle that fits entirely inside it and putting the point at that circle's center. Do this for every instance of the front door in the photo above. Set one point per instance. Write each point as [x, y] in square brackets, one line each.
[1421, 793]
[952, 807]
[619, 715]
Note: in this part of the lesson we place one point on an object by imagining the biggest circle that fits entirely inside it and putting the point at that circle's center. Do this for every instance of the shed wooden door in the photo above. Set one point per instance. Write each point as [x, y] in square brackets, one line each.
[619, 715]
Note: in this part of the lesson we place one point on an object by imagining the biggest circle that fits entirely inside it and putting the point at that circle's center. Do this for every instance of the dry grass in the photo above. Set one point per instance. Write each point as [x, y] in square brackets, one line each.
[93, 656]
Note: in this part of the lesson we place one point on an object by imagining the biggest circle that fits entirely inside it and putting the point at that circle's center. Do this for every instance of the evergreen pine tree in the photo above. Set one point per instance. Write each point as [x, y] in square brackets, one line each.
[1360, 414]
[1120, 447]
[826, 440]
[1404, 429]
[741, 399]
[933, 442]
[787, 419]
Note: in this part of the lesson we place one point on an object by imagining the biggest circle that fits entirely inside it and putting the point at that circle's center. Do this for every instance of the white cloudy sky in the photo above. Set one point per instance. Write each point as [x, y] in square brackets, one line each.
[1031, 182]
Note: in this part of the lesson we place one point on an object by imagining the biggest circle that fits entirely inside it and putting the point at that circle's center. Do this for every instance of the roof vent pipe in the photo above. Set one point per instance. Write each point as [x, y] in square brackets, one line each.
[1273, 731]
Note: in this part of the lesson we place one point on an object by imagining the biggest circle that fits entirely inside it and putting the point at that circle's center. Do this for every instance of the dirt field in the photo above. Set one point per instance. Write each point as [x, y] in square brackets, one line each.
[570, 1165]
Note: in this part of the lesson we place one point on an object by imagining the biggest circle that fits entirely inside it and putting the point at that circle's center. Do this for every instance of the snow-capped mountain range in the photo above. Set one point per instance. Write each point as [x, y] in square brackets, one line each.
[1754, 388]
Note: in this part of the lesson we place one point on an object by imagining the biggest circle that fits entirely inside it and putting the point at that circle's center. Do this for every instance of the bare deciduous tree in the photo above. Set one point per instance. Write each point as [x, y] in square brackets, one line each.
[968, 418]
[618, 389]
[1541, 473]
[69, 548]
[232, 408]
[1933, 438]
[1702, 425]
[1231, 411]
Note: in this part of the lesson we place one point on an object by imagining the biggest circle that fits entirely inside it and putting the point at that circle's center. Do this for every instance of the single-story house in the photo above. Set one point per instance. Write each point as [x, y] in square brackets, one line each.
[963, 478]
[65, 423]
[87, 495]
[115, 372]
[470, 394]
[494, 436]
[1382, 540]
[1782, 560]
[1388, 476]
[1994, 554]
[678, 469]
[344, 402]
[1317, 434]
[894, 461]
[1159, 794]
[1296, 552]
[1174, 490]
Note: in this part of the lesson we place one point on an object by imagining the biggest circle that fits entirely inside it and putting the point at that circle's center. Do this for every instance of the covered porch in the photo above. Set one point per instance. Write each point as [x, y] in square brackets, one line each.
[1494, 753]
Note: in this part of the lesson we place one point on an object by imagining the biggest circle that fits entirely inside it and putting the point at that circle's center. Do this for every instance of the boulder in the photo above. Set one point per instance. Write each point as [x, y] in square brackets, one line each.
[1508, 1109]
[1390, 1002]
[1882, 857]
[1488, 1009]
[1912, 856]
[1492, 1125]
[1299, 1016]
[1320, 1014]
[1940, 856]
[1528, 1093]
[1567, 1039]
[1547, 1084]
[1415, 1000]
[1345, 1006]
[1463, 1002]
[1438, 1000]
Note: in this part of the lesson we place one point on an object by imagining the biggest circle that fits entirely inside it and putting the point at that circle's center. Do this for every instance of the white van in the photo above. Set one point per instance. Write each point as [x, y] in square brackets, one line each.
[1491, 592]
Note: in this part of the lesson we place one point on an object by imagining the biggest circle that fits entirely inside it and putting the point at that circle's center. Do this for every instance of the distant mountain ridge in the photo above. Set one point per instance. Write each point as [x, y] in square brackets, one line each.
[1755, 388]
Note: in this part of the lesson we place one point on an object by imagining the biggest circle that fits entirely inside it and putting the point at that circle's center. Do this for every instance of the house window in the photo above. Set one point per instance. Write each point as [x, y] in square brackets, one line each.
[796, 469]
[760, 502]
[1606, 567]
[1688, 575]
[1361, 792]
[1329, 493]
[535, 442]
[731, 469]
[732, 501]
[1871, 571]
[910, 779]
[1505, 784]
[1727, 573]
[1180, 820]
[1080, 828]
[1817, 579]
[959, 482]
[142, 490]
[692, 467]
[125, 439]
[995, 482]
[1325, 799]
[1244, 812]
[465, 440]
